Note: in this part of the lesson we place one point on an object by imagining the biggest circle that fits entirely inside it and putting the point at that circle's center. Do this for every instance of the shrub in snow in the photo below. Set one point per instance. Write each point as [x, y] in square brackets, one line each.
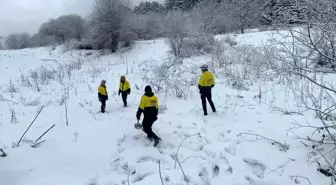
[231, 41]
[18, 41]
[65, 27]
[162, 109]
[171, 76]
[176, 31]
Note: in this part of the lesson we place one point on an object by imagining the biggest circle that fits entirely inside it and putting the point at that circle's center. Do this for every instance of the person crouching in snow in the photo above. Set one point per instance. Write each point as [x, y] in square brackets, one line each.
[149, 105]
[102, 95]
[124, 89]
[205, 85]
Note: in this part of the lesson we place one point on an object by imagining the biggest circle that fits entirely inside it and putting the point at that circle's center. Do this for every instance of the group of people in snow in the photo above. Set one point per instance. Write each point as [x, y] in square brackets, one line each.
[149, 104]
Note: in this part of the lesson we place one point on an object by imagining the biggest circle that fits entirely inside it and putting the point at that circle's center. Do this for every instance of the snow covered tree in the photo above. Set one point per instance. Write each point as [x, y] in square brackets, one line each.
[243, 13]
[190, 4]
[173, 4]
[64, 28]
[107, 17]
[176, 31]
[284, 11]
[18, 41]
[145, 7]
[39, 40]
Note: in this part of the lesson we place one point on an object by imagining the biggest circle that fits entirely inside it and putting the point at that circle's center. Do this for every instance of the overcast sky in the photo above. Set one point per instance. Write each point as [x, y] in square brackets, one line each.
[27, 15]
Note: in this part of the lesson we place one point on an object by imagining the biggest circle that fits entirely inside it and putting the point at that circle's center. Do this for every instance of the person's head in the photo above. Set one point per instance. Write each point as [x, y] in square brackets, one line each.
[204, 68]
[148, 89]
[122, 79]
[103, 82]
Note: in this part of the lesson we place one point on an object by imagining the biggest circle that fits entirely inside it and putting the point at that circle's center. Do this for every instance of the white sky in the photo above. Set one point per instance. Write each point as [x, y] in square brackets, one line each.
[28, 15]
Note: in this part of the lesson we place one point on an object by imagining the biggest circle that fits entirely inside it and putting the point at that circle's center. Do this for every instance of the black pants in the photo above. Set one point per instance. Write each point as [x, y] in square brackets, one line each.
[147, 128]
[124, 98]
[103, 105]
[204, 97]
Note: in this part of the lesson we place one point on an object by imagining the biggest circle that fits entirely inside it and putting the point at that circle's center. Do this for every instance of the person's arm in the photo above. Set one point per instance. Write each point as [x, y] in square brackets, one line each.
[141, 108]
[201, 82]
[129, 88]
[213, 83]
[99, 92]
[157, 106]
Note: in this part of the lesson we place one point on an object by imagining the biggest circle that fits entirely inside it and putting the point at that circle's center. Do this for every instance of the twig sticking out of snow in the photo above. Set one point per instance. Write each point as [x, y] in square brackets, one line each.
[178, 149]
[286, 112]
[283, 146]
[44, 133]
[160, 173]
[66, 114]
[3, 153]
[296, 179]
[18, 143]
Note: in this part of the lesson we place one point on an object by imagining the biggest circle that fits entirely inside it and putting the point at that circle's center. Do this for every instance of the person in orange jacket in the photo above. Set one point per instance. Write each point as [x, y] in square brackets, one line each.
[124, 89]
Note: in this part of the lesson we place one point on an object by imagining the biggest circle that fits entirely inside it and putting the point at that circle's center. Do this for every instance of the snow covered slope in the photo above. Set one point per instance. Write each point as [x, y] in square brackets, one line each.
[105, 149]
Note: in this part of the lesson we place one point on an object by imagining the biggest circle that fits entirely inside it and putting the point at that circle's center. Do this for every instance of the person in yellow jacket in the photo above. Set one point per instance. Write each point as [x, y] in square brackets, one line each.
[205, 85]
[149, 106]
[102, 95]
[124, 89]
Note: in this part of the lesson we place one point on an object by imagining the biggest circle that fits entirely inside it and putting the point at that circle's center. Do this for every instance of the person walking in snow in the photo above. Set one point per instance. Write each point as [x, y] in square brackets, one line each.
[102, 95]
[205, 85]
[149, 106]
[124, 89]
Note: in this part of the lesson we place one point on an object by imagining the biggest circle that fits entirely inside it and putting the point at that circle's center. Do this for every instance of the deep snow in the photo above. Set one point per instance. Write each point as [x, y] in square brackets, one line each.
[105, 149]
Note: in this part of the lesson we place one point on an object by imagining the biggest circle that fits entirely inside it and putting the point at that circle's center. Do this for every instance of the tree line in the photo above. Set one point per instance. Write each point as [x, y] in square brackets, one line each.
[113, 24]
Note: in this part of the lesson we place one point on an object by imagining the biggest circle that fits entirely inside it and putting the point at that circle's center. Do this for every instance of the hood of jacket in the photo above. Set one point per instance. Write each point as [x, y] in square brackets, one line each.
[149, 94]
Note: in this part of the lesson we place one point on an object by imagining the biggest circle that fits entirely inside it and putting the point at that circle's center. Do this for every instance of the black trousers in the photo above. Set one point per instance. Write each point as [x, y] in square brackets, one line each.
[208, 97]
[124, 98]
[147, 128]
[103, 105]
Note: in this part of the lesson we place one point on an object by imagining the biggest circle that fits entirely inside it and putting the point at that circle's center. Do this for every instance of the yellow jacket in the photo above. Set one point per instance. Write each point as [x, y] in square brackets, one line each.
[102, 90]
[207, 80]
[149, 105]
[102, 93]
[124, 86]
[148, 102]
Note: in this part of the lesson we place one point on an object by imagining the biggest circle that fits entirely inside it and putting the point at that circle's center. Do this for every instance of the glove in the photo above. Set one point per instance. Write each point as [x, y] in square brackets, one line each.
[106, 97]
[212, 86]
[119, 93]
[138, 118]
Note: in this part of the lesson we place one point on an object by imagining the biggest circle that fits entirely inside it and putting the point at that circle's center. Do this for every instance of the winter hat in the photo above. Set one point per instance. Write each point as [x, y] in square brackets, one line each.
[204, 67]
[148, 89]
[103, 81]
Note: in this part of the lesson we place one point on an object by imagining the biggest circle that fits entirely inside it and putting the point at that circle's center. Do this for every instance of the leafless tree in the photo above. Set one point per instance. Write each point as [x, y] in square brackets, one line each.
[107, 17]
[305, 56]
[176, 31]
[18, 41]
[64, 28]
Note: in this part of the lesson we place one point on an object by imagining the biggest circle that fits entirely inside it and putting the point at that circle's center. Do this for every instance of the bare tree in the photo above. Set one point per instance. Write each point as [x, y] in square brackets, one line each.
[176, 31]
[64, 28]
[244, 13]
[305, 57]
[107, 17]
[18, 41]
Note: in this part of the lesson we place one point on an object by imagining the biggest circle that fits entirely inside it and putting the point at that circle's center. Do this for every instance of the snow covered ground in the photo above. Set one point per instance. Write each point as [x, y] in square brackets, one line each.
[105, 149]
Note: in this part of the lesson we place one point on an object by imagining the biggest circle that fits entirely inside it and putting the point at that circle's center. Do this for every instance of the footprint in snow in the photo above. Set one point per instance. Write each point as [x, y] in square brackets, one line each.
[215, 170]
[258, 168]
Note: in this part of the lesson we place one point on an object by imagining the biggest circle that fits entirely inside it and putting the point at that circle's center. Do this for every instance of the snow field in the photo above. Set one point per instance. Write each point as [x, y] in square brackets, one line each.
[105, 149]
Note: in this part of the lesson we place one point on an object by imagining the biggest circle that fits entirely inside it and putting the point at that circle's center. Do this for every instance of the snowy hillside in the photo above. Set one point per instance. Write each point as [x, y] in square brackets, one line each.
[87, 147]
